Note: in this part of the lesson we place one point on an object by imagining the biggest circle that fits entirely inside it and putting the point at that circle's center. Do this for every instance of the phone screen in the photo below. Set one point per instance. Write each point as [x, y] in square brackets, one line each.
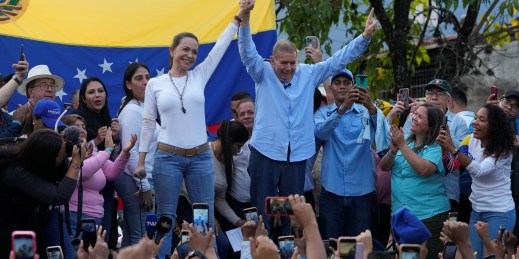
[286, 246]
[54, 252]
[450, 250]
[88, 229]
[185, 237]
[23, 246]
[410, 252]
[278, 206]
[404, 96]
[251, 214]
[361, 80]
[493, 90]
[347, 248]
[201, 217]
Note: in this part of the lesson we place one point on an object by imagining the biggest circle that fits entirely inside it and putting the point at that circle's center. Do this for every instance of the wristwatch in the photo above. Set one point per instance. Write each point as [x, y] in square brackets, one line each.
[17, 80]
[195, 253]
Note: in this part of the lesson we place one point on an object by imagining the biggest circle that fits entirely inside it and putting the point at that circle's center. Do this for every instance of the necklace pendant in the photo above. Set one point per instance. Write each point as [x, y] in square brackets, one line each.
[183, 109]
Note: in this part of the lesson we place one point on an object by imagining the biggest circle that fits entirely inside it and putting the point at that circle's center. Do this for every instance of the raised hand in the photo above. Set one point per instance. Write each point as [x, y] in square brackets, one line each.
[371, 26]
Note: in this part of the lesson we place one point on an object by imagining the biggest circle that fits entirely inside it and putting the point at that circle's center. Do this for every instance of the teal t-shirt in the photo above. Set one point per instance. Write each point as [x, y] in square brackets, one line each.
[425, 197]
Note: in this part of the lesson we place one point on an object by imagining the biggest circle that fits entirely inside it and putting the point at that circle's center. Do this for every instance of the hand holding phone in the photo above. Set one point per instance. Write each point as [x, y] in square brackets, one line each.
[54, 252]
[278, 206]
[201, 217]
[23, 244]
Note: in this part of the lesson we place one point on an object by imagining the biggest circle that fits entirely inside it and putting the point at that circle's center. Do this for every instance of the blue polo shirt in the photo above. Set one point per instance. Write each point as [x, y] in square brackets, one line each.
[284, 116]
[423, 196]
[347, 166]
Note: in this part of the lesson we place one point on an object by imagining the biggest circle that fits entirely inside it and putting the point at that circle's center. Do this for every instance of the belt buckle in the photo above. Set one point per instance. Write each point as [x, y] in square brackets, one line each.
[187, 152]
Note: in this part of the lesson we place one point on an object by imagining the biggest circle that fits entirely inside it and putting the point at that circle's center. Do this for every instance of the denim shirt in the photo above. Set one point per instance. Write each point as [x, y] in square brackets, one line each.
[347, 168]
[283, 116]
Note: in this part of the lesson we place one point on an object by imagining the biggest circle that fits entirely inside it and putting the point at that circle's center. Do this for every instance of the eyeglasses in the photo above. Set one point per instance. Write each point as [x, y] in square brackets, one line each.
[44, 86]
[512, 107]
[431, 93]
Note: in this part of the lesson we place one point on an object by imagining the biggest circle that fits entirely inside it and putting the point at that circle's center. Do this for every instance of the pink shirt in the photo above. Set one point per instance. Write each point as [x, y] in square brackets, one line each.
[96, 170]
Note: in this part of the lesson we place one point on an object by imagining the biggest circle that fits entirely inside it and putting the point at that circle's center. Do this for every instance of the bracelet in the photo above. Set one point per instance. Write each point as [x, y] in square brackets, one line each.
[76, 166]
[17, 80]
[237, 18]
[110, 150]
[343, 110]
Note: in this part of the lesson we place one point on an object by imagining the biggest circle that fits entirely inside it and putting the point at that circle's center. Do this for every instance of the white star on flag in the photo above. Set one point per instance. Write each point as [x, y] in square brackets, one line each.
[80, 75]
[160, 72]
[106, 66]
[60, 94]
[136, 60]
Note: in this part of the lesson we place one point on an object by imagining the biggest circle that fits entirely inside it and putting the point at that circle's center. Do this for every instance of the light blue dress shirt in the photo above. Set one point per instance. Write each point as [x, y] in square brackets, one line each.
[347, 166]
[459, 130]
[284, 116]
[423, 196]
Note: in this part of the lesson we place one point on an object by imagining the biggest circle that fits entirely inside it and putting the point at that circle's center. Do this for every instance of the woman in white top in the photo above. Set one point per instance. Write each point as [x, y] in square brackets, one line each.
[232, 135]
[178, 98]
[487, 156]
[136, 193]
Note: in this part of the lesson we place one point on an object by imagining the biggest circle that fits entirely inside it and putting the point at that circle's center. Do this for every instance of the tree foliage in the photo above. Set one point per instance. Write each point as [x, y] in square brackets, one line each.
[398, 48]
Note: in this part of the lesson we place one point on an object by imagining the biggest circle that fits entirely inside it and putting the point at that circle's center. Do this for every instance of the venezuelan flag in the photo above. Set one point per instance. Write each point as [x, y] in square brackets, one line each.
[80, 39]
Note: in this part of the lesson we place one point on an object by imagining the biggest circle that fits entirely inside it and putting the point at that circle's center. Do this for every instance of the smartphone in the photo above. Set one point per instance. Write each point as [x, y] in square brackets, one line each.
[21, 53]
[54, 252]
[361, 80]
[409, 251]
[251, 214]
[23, 244]
[403, 95]
[184, 236]
[444, 123]
[278, 206]
[311, 41]
[67, 105]
[453, 216]
[88, 232]
[449, 251]
[494, 90]
[201, 217]
[347, 247]
[501, 232]
[380, 255]
[286, 246]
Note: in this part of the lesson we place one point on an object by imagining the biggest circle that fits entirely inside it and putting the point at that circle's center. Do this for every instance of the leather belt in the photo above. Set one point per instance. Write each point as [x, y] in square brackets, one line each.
[182, 151]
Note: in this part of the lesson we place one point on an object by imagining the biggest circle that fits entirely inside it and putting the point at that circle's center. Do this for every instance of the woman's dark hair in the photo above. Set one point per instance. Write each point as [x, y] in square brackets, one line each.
[176, 42]
[500, 135]
[434, 119]
[230, 132]
[318, 98]
[93, 120]
[128, 74]
[37, 154]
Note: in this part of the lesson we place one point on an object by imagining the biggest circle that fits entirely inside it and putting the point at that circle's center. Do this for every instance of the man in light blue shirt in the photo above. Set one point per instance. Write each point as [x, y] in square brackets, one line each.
[348, 199]
[283, 137]
[438, 92]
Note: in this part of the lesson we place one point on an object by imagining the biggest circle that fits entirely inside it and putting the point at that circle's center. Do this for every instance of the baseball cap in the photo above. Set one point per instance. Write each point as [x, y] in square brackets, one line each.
[512, 93]
[440, 83]
[344, 72]
[49, 111]
[407, 228]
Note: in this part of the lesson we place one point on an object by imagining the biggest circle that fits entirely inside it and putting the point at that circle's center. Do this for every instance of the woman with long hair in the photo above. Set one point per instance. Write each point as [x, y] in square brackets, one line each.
[178, 97]
[34, 174]
[417, 172]
[486, 155]
[231, 136]
[136, 193]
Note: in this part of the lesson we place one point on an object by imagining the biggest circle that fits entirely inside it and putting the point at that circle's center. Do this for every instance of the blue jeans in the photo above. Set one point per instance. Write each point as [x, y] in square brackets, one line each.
[134, 223]
[346, 215]
[68, 250]
[169, 171]
[494, 220]
[268, 176]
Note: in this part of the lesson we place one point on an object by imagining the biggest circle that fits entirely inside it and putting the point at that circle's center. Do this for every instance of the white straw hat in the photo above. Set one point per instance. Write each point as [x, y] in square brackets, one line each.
[40, 71]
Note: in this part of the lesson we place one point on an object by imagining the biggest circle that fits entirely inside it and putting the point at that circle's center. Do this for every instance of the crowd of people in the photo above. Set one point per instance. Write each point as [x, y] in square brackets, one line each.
[380, 165]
